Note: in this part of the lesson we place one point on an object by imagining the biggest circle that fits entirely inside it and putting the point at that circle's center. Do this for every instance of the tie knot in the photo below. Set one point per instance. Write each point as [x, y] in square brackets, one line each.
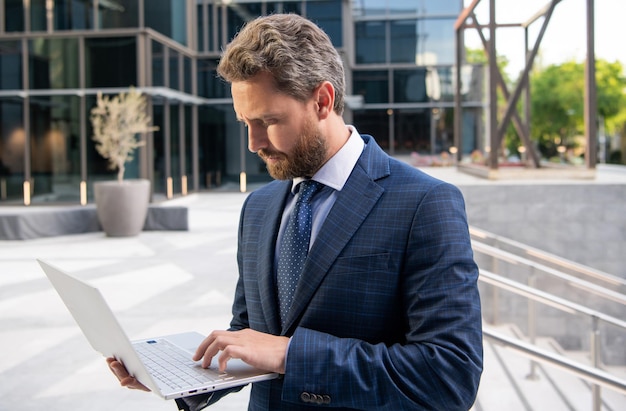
[307, 189]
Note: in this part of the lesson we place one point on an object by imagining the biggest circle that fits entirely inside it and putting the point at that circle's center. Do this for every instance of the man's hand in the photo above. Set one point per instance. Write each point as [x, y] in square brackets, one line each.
[126, 380]
[260, 350]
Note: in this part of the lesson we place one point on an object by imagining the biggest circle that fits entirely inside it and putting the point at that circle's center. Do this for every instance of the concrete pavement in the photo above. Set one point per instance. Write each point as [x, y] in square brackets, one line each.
[157, 283]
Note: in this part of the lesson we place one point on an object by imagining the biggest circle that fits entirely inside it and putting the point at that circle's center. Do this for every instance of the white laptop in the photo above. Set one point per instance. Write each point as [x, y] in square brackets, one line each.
[162, 364]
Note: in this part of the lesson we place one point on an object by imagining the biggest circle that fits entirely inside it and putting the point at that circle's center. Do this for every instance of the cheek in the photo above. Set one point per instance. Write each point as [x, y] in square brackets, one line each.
[283, 138]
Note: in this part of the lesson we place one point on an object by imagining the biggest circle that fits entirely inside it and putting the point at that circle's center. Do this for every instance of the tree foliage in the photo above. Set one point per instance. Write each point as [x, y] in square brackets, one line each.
[558, 101]
[116, 123]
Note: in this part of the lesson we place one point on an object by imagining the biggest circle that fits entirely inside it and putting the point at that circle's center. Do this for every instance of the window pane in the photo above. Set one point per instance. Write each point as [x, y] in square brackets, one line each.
[239, 15]
[53, 63]
[187, 74]
[409, 86]
[10, 65]
[372, 85]
[55, 148]
[430, 6]
[174, 70]
[209, 84]
[12, 144]
[119, 13]
[370, 42]
[412, 131]
[201, 27]
[167, 17]
[14, 15]
[369, 7]
[158, 75]
[292, 7]
[403, 41]
[73, 15]
[174, 136]
[374, 123]
[38, 15]
[111, 62]
[327, 14]
[211, 144]
[436, 39]
[407, 6]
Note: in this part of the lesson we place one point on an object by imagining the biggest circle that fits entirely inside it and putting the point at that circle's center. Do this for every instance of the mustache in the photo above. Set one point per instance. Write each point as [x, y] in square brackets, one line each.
[265, 153]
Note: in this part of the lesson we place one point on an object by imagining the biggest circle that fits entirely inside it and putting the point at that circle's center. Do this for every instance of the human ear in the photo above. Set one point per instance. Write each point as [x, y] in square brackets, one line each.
[325, 99]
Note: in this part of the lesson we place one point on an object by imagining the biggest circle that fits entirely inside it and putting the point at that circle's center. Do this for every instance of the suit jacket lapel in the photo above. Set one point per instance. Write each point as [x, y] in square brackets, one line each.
[265, 253]
[354, 202]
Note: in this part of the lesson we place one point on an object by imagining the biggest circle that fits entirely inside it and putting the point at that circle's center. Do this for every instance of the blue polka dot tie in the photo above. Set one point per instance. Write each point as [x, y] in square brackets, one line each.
[294, 246]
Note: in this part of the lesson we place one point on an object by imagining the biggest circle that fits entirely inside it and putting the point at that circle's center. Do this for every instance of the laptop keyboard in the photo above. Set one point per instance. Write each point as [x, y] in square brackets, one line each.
[174, 366]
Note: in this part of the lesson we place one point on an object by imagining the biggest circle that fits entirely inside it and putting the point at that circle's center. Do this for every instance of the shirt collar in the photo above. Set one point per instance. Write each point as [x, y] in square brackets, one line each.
[336, 171]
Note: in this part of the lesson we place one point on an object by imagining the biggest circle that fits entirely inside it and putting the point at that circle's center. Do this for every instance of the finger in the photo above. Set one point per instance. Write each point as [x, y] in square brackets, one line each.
[131, 382]
[223, 361]
[118, 369]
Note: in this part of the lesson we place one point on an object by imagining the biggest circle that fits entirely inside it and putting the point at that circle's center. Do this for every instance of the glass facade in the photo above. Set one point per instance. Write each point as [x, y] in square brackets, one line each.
[56, 55]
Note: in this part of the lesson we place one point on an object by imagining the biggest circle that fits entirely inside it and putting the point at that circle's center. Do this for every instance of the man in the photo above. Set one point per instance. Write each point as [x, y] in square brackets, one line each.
[386, 313]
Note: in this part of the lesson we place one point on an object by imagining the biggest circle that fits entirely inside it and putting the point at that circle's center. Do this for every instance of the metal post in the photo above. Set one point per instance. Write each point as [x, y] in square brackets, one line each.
[596, 395]
[493, 94]
[532, 324]
[590, 92]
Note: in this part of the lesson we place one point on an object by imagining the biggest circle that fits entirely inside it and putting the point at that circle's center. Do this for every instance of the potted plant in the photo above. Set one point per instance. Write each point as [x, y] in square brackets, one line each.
[121, 205]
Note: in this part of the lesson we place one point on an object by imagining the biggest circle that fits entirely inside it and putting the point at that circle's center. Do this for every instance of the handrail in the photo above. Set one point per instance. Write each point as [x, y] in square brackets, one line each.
[546, 298]
[583, 284]
[548, 257]
[594, 375]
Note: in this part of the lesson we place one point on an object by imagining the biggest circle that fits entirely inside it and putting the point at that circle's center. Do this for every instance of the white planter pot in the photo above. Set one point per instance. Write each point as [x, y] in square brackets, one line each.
[122, 207]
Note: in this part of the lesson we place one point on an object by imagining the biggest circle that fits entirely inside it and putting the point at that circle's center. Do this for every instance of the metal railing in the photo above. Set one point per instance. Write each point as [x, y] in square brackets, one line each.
[594, 373]
[595, 376]
[535, 267]
[547, 259]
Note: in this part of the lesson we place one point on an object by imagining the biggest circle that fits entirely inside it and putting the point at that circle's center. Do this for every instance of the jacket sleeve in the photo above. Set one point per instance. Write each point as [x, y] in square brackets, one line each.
[438, 364]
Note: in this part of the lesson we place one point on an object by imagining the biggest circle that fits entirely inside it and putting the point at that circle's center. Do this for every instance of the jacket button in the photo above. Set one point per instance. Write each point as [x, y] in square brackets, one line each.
[326, 399]
[305, 397]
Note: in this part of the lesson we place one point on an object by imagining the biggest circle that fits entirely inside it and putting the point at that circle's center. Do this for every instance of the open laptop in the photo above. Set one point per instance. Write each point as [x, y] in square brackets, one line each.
[162, 364]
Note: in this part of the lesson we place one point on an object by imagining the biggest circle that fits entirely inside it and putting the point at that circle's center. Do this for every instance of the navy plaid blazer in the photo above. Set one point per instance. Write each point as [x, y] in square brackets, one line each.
[387, 313]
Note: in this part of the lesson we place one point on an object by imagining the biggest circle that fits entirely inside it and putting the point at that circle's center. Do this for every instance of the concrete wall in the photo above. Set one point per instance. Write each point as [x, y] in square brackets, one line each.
[585, 223]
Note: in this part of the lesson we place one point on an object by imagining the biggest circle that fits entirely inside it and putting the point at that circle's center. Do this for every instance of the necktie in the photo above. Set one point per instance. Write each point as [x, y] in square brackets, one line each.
[295, 246]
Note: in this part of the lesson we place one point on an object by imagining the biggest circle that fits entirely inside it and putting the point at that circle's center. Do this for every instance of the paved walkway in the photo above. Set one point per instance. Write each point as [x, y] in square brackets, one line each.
[157, 283]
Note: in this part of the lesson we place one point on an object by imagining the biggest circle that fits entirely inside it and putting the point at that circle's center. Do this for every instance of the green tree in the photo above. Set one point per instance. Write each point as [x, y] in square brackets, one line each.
[557, 101]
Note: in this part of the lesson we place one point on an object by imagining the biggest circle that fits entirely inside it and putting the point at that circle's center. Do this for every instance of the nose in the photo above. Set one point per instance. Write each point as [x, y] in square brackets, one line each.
[257, 138]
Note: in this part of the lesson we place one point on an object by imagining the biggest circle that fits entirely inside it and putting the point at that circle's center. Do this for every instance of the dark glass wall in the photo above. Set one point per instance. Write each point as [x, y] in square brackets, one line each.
[53, 63]
[74, 14]
[110, 62]
[167, 17]
[38, 15]
[13, 15]
[119, 13]
[12, 149]
[10, 65]
[55, 148]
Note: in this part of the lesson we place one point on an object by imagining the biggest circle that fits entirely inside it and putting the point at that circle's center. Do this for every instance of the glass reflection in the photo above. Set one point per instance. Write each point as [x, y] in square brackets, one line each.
[73, 14]
[119, 13]
[53, 63]
[370, 42]
[12, 145]
[55, 148]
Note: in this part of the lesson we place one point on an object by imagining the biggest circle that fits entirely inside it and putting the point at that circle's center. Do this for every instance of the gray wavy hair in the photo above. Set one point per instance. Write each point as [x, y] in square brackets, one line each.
[295, 51]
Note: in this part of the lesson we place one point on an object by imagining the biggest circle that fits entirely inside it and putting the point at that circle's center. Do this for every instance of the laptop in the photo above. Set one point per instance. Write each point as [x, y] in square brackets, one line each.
[162, 364]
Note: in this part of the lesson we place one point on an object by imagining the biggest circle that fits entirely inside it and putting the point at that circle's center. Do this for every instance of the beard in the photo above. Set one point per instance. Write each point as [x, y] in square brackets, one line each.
[307, 156]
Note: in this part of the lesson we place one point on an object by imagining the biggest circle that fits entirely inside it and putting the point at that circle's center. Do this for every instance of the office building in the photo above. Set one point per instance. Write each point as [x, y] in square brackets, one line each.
[56, 55]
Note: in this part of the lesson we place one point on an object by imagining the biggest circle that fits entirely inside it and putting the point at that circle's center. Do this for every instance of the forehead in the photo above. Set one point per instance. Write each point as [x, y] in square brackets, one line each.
[258, 97]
